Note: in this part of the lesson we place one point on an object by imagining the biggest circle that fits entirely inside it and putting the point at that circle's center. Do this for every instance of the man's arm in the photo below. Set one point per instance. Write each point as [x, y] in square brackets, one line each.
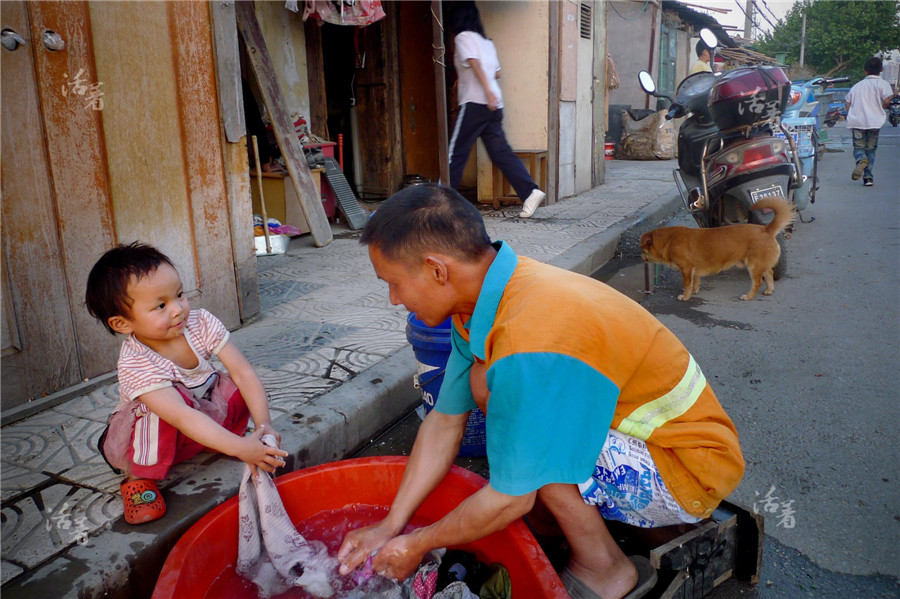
[433, 452]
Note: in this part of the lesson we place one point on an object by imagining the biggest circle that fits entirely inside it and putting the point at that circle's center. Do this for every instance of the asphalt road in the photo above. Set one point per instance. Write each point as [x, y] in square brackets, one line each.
[809, 375]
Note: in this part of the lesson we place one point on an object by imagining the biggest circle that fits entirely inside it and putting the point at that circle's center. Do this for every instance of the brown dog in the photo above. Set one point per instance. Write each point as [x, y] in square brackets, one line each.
[700, 252]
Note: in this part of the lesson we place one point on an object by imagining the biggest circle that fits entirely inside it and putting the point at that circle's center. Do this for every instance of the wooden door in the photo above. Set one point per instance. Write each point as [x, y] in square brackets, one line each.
[418, 104]
[39, 352]
[113, 137]
[378, 105]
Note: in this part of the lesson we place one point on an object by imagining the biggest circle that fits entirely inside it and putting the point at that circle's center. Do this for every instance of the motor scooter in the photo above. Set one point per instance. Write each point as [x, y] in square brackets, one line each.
[728, 157]
[801, 118]
[894, 111]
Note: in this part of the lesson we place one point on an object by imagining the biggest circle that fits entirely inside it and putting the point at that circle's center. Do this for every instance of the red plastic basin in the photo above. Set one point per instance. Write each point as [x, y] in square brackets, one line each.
[210, 545]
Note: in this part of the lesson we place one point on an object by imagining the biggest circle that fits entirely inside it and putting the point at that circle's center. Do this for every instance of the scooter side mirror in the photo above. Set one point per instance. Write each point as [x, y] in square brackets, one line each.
[709, 38]
[647, 83]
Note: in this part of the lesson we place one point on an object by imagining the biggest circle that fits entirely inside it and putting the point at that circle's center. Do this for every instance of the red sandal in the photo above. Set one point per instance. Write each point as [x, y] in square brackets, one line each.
[143, 501]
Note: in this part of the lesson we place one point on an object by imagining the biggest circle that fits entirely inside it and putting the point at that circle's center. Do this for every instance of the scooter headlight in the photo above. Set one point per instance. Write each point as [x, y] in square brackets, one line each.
[777, 146]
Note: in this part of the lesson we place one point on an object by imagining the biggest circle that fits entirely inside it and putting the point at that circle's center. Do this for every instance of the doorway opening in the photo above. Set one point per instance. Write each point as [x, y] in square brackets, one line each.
[342, 62]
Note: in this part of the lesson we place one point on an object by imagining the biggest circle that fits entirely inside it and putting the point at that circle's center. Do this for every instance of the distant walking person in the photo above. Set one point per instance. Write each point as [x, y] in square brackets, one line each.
[481, 107]
[866, 102]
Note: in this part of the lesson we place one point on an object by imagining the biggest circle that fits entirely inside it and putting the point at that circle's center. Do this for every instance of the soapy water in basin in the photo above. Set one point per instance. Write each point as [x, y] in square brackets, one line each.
[330, 527]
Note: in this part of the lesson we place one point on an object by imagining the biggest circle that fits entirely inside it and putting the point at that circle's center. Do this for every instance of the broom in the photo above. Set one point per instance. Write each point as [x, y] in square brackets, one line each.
[262, 199]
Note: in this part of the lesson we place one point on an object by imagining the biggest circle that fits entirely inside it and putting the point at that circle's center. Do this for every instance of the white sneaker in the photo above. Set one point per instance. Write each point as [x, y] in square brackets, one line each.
[532, 202]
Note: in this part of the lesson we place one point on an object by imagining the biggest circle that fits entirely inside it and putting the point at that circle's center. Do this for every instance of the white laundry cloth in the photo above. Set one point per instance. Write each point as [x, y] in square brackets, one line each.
[455, 590]
[271, 553]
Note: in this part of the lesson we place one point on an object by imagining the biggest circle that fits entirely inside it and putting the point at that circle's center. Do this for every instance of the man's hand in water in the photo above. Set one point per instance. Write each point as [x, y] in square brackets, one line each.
[359, 544]
[398, 558]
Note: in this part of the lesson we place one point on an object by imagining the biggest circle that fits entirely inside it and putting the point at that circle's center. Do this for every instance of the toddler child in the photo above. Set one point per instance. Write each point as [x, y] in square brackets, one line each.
[174, 404]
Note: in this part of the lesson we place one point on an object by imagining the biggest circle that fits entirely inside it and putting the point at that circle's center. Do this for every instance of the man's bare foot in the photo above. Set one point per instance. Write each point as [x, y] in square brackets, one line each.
[613, 583]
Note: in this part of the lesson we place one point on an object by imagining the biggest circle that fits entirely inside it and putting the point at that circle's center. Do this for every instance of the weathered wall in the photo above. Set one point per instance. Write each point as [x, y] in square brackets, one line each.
[628, 29]
[140, 161]
[686, 58]
[583, 108]
[685, 54]
[146, 160]
[568, 94]
[576, 72]
[567, 134]
[286, 42]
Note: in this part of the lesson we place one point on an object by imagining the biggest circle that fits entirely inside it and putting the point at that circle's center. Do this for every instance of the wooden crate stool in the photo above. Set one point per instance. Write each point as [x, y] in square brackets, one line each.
[535, 162]
[693, 559]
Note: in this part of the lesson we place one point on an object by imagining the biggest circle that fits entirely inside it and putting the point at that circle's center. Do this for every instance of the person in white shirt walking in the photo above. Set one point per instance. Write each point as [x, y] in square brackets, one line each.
[866, 102]
[481, 108]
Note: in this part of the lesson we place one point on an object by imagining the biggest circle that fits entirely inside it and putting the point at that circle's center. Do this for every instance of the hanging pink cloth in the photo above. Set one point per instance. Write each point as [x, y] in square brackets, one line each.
[346, 12]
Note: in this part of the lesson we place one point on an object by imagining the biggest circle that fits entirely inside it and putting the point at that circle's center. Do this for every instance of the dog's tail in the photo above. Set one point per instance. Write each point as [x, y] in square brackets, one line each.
[784, 213]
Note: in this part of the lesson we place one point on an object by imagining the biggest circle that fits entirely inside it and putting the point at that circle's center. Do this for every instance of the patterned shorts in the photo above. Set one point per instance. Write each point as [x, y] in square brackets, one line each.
[626, 486]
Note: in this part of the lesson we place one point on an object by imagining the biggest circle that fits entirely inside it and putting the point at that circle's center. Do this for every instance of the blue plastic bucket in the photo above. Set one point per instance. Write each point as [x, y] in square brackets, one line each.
[431, 345]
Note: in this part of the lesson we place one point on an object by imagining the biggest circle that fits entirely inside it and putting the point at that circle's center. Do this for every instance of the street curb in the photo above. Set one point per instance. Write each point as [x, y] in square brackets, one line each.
[125, 561]
[54, 399]
[340, 423]
[593, 253]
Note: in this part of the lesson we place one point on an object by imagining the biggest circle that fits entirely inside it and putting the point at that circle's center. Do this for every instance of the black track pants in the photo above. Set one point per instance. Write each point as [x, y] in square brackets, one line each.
[474, 121]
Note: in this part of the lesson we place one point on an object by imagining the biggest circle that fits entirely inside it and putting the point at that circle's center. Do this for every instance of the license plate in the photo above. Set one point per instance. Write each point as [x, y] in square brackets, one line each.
[775, 191]
[794, 134]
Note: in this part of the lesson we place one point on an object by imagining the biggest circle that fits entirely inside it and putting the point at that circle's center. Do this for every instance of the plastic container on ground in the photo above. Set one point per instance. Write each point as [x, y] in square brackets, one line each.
[278, 243]
[210, 546]
[431, 346]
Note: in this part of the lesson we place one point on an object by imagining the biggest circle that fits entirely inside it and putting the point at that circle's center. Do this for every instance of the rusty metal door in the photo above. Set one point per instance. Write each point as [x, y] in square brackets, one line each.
[110, 134]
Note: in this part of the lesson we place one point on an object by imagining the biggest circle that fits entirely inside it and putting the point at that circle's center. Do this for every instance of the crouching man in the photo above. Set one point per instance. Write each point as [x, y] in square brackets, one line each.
[593, 408]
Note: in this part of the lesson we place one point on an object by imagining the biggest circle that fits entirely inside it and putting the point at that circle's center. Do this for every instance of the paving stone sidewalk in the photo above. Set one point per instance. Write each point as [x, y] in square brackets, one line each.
[333, 355]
